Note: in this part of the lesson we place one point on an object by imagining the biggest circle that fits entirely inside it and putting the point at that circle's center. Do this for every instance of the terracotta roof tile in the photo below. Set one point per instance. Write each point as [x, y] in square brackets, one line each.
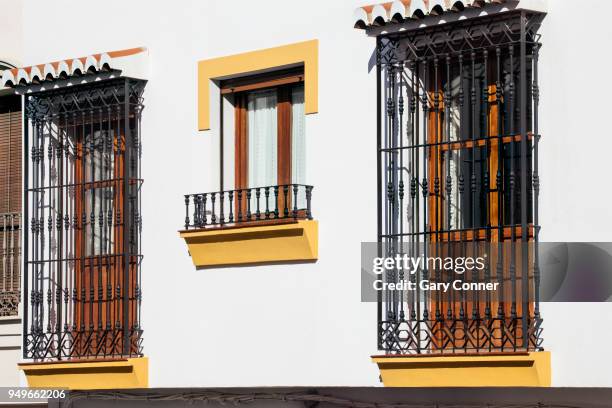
[401, 10]
[122, 60]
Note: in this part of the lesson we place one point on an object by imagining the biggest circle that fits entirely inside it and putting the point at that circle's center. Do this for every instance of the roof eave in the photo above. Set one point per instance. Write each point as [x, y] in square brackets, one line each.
[375, 28]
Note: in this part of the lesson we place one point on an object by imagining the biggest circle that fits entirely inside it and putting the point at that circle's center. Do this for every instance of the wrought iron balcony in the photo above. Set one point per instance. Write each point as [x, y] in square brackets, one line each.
[248, 205]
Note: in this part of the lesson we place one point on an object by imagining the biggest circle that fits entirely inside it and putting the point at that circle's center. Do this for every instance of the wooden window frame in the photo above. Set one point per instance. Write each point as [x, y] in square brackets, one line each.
[439, 149]
[506, 232]
[284, 83]
[104, 267]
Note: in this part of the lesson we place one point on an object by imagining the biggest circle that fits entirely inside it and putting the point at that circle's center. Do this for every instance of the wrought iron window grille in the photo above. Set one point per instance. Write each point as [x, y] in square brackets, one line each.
[458, 162]
[83, 220]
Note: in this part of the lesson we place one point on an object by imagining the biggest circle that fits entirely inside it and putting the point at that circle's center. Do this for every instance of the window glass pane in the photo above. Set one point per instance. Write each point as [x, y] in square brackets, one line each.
[467, 210]
[262, 139]
[298, 143]
[99, 238]
[99, 158]
[99, 200]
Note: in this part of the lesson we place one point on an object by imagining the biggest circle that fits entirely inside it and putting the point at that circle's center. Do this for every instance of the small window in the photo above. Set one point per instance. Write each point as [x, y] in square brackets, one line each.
[262, 154]
[269, 149]
[269, 129]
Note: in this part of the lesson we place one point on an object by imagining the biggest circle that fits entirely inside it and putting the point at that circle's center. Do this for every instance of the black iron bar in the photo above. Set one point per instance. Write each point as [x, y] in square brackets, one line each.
[499, 184]
[308, 204]
[267, 195]
[248, 198]
[523, 193]
[486, 133]
[231, 206]
[285, 201]
[60, 228]
[276, 211]
[511, 109]
[379, 175]
[449, 180]
[127, 157]
[425, 185]
[295, 202]
[437, 218]
[401, 182]
[536, 180]
[26, 241]
[221, 205]
[257, 196]
[239, 205]
[414, 214]
[389, 220]
[473, 181]
[417, 208]
[203, 215]
[460, 176]
[213, 217]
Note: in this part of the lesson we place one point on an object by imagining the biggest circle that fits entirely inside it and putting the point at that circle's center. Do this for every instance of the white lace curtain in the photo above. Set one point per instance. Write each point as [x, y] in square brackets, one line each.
[263, 136]
[298, 142]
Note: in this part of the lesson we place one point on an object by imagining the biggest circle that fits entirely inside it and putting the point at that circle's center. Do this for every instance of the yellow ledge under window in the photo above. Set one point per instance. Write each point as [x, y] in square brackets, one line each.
[88, 374]
[295, 241]
[482, 370]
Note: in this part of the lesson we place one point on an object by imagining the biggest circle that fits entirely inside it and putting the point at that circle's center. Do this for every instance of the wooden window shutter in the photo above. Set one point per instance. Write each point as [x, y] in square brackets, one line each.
[10, 161]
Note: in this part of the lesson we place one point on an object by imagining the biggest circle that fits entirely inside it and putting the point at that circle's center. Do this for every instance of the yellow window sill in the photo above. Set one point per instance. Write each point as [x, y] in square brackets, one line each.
[277, 243]
[496, 370]
[89, 374]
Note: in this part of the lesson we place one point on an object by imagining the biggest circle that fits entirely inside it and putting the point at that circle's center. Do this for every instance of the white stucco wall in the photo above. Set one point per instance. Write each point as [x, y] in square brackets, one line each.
[304, 324]
[10, 350]
[11, 25]
[574, 159]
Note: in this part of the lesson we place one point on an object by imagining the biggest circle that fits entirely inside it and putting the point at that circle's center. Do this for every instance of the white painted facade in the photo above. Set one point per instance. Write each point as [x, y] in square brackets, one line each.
[304, 324]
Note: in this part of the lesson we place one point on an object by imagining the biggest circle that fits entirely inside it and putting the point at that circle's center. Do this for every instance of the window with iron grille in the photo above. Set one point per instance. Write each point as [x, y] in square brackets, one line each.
[10, 204]
[458, 163]
[83, 254]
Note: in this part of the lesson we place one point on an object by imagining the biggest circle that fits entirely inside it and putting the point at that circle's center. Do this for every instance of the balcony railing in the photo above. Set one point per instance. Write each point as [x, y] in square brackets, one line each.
[249, 205]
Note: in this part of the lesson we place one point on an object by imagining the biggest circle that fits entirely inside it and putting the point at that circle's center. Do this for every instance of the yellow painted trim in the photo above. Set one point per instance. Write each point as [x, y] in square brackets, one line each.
[306, 52]
[513, 370]
[129, 373]
[296, 241]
